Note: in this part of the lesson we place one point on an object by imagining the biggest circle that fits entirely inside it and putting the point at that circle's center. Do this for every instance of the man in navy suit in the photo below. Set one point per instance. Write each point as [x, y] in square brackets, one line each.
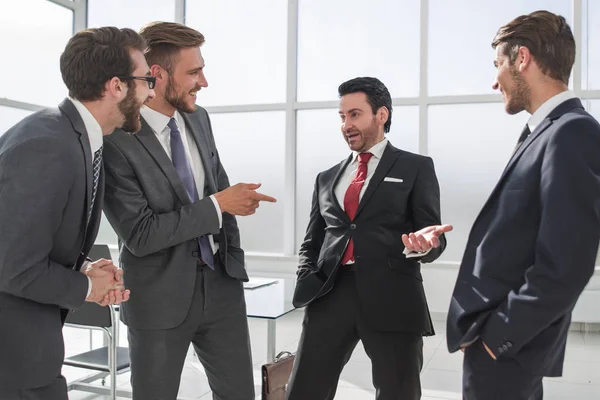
[532, 249]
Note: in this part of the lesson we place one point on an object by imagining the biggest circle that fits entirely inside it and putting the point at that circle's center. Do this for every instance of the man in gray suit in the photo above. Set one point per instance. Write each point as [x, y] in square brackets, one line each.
[51, 186]
[169, 200]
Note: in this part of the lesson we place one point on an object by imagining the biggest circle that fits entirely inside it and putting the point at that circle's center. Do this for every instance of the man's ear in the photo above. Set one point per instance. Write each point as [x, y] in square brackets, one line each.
[114, 87]
[159, 72]
[524, 59]
[383, 114]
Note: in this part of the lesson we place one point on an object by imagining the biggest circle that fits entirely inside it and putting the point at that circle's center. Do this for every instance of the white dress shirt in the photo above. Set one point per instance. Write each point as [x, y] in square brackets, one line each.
[158, 122]
[549, 105]
[94, 132]
[349, 174]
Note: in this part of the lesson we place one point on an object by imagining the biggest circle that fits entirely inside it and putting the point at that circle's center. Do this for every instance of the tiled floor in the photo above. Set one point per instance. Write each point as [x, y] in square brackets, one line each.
[441, 377]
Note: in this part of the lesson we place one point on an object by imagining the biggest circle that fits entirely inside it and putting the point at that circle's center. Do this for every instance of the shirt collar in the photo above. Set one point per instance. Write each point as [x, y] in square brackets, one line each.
[545, 109]
[158, 121]
[376, 150]
[92, 126]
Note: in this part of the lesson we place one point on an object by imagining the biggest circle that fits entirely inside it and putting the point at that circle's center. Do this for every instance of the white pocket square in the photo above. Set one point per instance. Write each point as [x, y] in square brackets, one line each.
[390, 179]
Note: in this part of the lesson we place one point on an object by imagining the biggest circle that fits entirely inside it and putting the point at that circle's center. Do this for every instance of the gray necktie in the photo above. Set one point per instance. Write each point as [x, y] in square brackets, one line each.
[96, 171]
[184, 170]
[522, 138]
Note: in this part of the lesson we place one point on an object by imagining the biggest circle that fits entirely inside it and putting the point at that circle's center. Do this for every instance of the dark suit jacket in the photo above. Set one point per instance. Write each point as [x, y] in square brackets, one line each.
[45, 194]
[532, 248]
[389, 285]
[158, 227]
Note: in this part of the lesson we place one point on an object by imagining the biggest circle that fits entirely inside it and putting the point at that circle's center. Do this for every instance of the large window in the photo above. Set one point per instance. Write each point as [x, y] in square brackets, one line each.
[591, 43]
[594, 108]
[460, 37]
[10, 116]
[251, 146]
[245, 49]
[342, 39]
[470, 145]
[34, 34]
[129, 13]
[266, 135]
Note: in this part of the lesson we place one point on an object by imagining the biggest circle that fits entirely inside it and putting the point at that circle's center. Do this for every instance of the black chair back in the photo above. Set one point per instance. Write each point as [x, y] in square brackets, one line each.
[99, 251]
[91, 314]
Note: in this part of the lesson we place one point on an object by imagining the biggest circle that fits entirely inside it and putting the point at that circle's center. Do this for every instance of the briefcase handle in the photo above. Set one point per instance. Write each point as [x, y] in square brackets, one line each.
[282, 356]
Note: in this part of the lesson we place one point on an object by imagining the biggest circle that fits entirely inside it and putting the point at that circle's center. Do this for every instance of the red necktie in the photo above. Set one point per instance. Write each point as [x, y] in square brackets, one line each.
[351, 199]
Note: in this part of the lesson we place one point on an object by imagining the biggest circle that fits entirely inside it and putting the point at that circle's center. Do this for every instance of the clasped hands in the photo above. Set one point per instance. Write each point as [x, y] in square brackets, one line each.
[107, 283]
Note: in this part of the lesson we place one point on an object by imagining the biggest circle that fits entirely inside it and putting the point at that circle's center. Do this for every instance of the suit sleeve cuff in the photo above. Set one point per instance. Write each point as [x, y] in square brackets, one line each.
[219, 213]
[414, 254]
[494, 336]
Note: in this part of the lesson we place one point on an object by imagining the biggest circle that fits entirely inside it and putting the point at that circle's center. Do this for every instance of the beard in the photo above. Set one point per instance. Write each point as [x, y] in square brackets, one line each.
[130, 109]
[520, 95]
[368, 137]
[176, 99]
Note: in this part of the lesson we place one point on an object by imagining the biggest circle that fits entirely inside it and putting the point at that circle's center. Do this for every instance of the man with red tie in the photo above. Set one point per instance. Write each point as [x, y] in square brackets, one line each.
[355, 277]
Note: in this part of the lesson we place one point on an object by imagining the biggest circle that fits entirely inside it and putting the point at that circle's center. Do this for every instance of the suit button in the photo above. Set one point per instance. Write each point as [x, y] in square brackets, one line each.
[352, 226]
[195, 253]
[505, 347]
[500, 350]
[509, 344]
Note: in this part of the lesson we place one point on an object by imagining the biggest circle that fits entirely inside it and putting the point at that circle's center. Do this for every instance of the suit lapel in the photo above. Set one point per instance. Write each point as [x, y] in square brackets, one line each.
[341, 168]
[206, 155]
[385, 164]
[561, 109]
[68, 108]
[148, 139]
[530, 139]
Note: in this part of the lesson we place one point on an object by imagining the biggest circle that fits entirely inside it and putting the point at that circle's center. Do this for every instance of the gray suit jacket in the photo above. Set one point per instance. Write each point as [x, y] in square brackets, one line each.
[45, 192]
[158, 227]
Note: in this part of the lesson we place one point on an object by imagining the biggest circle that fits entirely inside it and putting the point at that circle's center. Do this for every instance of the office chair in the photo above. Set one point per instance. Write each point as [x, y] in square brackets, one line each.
[108, 360]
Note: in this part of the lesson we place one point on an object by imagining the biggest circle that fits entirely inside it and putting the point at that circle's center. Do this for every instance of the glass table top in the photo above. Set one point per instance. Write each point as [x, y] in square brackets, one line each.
[268, 298]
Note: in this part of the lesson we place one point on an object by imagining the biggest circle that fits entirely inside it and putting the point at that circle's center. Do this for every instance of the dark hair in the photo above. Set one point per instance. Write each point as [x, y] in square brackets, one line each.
[166, 39]
[548, 38]
[377, 95]
[94, 56]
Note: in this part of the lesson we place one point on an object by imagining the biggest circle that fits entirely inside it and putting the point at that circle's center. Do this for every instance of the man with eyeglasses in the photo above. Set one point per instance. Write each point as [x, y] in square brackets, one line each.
[151, 80]
[51, 189]
[169, 200]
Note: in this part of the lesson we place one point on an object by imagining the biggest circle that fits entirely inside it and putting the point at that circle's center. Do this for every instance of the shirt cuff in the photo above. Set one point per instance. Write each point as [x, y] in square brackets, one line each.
[83, 267]
[89, 287]
[219, 213]
[413, 254]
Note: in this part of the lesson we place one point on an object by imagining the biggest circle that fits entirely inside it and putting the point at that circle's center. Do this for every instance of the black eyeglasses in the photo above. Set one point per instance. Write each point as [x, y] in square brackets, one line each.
[150, 79]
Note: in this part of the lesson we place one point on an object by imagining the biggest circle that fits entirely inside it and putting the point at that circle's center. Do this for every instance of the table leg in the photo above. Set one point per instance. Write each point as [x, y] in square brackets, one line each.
[271, 338]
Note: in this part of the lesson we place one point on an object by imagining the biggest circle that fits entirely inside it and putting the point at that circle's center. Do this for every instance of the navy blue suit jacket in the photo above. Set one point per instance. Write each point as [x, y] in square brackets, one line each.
[532, 249]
